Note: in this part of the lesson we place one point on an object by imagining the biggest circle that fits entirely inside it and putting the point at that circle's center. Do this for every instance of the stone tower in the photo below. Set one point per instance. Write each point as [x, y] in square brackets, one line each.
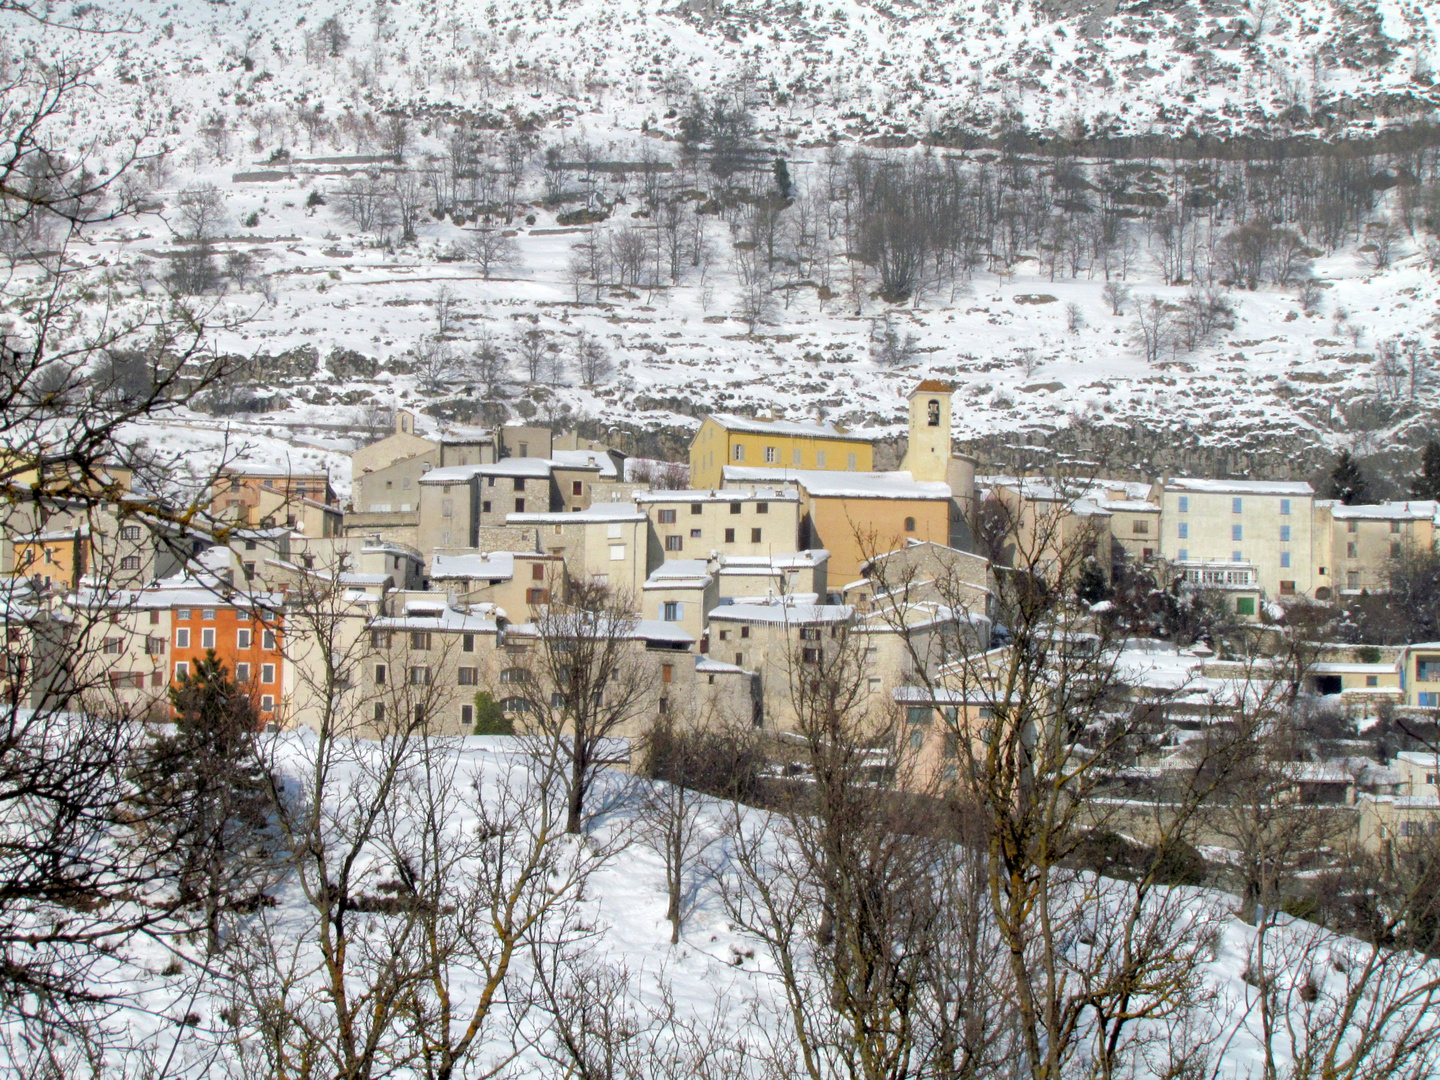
[928, 457]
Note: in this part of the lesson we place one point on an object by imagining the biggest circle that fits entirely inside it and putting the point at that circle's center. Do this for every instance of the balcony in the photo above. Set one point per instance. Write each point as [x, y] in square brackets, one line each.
[1219, 575]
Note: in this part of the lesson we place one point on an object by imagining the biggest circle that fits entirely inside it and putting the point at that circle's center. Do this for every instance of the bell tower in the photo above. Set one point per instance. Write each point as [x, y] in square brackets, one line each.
[928, 456]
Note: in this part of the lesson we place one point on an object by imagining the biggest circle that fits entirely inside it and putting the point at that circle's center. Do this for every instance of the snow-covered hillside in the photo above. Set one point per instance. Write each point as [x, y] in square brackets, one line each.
[718, 991]
[285, 106]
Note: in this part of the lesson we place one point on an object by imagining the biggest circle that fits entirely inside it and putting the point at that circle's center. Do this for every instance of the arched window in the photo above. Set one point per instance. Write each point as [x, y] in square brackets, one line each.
[933, 410]
[909, 524]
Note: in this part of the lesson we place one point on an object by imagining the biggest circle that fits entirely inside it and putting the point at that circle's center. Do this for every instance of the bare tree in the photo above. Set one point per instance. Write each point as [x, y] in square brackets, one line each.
[535, 348]
[434, 364]
[592, 359]
[1116, 294]
[581, 684]
[493, 251]
[202, 210]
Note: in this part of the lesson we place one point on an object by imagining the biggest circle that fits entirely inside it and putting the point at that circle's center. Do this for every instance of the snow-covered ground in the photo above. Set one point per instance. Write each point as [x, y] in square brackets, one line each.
[715, 975]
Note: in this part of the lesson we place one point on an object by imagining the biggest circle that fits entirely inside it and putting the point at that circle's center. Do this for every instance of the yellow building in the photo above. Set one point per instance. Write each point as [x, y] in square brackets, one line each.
[858, 516]
[725, 439]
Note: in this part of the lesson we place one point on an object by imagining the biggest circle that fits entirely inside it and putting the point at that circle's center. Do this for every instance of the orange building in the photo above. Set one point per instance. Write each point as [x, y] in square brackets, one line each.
[246, 635]
[60, 557]
[246, 493]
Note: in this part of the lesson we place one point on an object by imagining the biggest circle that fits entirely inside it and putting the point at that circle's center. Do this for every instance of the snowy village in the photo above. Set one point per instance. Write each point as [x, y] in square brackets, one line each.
[620, 540]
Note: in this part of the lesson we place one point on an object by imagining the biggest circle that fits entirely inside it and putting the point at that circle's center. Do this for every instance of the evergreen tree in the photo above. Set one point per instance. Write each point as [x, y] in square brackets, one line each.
[205, 796]
[1347, 482]
[783, 184]
[1426, 484]
[1092, 585]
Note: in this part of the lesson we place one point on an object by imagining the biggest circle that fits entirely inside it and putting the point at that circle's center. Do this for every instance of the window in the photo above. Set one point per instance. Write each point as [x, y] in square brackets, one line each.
[1352, 579]
[1284, 534]
[1372, 680]
[1284, 506]
[1394, 549]
[112, 646]
[932, 413]
[537, 571]
[380, 639]
[1140, 527]
[909, 524]
[696, 509]
[469, 676]
[519, 506]
[729, 536]
[1183, 554]
[918, 714]
[1352, 526]
[617, 552]
[734, 508]
[515, 675]
[744, 631]
[577, 488]
[182, 638]
[207, 638]
[674, 542]
[156, 679]
[1285, 558]
[809, 633]
[1236, 556]
[755, 536]
[267, 703]
[772, 455]
[820, 459]
[1237, 532]
[1427, 669]
[182, 669]
[467, 715]
[447, 507]
[154, 618]
[485, 506]
[380, 673]
[130, 562]
[1245, 605]
[810, 656]
[1236, 506]
[130, 532]
[251, 545]
[467, 643]
[1429, 700]
[667, 517]
[670, 611]
[420, 640]
[267, 673]
[762, 508]
[851, 462]
[155, 646]
[667, 673]
[1287, 588]
[739, 454]
[419, 675]
[242, 673]
[519, 484]
[1184, 504]
[1184, 530]
[696, 534]
[1352, 550]
[1394, 526]
[872, 685]
[795, 458]
[379, 712]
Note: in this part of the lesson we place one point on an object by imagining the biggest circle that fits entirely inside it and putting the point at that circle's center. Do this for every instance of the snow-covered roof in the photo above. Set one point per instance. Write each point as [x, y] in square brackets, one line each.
[1423, 758]
[761, 564]
[1418, 510]
[706, 666]
[495, 565]
[827, 484]
[678, 573]
[1237, 487]
[722, 495]
[658, 630]
[1336, 668]
[780, 611]
[445, 618]
[940, 695]
[528, 468]
[584, 459]
[734, 422]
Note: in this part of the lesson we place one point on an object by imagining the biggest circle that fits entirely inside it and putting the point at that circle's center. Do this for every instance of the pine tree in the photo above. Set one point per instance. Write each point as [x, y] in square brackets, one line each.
[1426, 484]
[1092, 585]
[1347, 482]
[205, 796]
[783, 184]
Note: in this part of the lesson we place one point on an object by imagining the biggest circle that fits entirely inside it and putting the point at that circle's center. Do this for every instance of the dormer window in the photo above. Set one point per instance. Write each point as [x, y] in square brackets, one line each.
[933, 412]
